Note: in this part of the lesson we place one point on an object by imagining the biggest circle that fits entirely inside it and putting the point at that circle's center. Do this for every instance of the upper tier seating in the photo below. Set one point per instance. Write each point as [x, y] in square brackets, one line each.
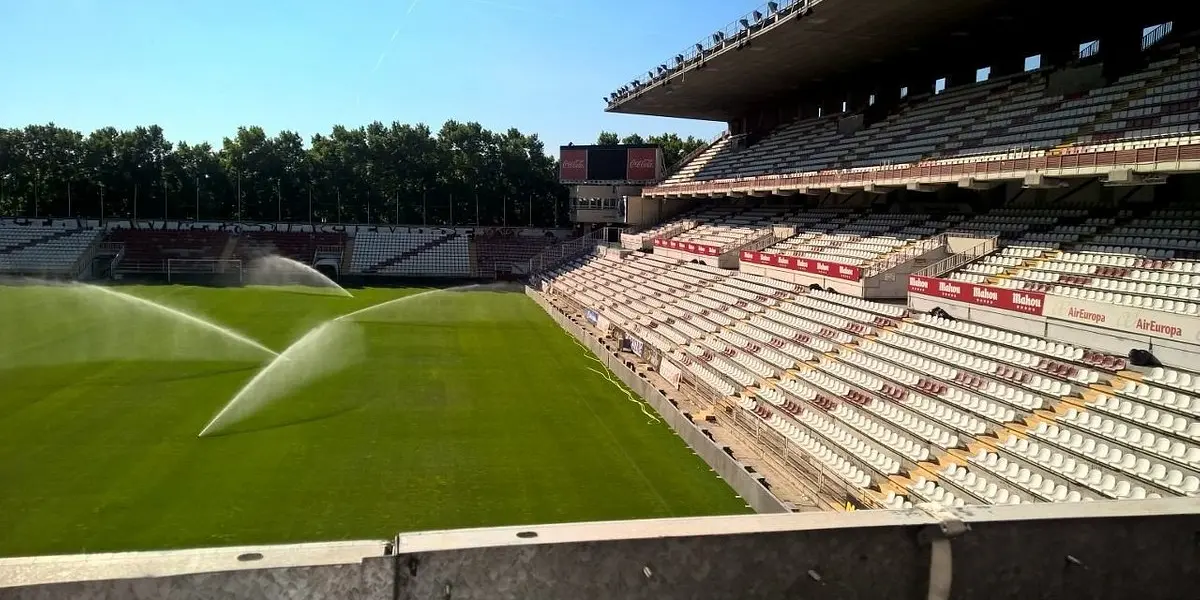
[1009, 113]
[43, 249]
[425, 252]
[907, 408]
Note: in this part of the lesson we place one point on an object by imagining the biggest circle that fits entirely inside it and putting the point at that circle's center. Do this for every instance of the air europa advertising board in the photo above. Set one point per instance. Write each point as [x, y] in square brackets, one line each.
[1140, 321]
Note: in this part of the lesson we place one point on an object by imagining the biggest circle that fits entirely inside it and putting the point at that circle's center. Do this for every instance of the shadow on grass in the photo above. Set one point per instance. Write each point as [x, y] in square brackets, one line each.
[31, 386]
[126, 374]
[299, 290]
[249, 426]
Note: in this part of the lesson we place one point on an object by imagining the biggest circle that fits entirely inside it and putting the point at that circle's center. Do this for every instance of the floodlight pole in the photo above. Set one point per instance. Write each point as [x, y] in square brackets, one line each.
[424, 207]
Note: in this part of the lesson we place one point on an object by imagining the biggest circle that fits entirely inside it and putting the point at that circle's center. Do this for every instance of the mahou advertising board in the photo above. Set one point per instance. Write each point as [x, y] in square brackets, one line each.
[822, 268]
[701, 249]
[1030, 303]
[1138, 321]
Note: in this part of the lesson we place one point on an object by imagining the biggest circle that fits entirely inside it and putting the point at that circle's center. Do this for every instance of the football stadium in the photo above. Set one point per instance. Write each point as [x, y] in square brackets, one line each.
[922, 322]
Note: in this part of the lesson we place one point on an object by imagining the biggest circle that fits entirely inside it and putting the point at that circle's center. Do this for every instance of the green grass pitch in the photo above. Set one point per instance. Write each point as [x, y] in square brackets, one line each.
[459, 409]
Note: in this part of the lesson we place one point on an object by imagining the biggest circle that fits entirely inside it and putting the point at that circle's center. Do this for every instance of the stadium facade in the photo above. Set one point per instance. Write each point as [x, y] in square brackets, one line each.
[945, 261]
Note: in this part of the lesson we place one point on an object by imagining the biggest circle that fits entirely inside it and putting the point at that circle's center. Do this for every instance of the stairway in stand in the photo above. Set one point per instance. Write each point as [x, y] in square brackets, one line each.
[407, 254]
[41, 240]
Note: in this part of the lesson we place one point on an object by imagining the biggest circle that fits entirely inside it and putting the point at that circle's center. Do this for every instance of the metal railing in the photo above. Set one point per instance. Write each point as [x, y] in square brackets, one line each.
[765, 241]
[567, 250]
[732, 35]
[1157, 33]
[1090, 49]
[908, 254]
[681, 163]
[85, 258]
[679, 228]
[937, 269]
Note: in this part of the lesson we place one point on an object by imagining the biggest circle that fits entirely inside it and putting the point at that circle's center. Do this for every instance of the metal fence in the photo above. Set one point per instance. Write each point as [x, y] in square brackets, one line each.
[937, 269]
[558, 254]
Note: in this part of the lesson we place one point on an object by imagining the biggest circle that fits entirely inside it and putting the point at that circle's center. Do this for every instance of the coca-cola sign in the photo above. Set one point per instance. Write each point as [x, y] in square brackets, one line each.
[641, 164]
[573, 165]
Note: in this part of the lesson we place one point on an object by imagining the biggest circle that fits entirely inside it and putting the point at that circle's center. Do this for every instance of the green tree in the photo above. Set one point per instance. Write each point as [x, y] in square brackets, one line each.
[674, 148]
[384, 173]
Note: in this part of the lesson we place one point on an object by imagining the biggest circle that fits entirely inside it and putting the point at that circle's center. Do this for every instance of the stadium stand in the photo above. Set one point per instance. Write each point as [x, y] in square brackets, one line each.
[1142, 262]
[52, 248]
[1015, 113]
[507, 252]
[296, 245]
[904, 406]
[407, 251]
[148, 250]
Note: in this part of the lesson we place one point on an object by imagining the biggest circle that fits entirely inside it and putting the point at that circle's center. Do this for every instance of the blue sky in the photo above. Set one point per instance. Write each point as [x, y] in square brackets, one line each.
[200, 68]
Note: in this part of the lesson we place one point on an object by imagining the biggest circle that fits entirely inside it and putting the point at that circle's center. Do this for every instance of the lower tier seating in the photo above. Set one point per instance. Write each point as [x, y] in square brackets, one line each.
[906, 407]
[38, 249]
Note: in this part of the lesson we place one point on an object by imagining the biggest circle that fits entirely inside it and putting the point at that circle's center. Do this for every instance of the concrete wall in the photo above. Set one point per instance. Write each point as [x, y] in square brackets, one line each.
[1144, 549]
[958, 244]
[728, 260]
[372, 579]
[732, 471]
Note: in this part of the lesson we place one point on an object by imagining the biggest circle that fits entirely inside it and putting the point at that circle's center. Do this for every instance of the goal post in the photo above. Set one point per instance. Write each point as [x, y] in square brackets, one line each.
[200, 268]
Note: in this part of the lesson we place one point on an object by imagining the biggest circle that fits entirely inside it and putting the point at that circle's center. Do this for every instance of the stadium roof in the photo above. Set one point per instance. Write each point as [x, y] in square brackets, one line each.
[835, 39]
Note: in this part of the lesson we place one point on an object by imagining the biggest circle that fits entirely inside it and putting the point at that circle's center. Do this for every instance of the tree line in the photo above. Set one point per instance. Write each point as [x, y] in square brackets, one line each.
[464, 174]
[674, 147]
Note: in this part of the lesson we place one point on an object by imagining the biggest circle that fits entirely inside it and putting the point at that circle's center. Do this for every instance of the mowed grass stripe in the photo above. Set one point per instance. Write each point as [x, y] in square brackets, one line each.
[470, 409]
